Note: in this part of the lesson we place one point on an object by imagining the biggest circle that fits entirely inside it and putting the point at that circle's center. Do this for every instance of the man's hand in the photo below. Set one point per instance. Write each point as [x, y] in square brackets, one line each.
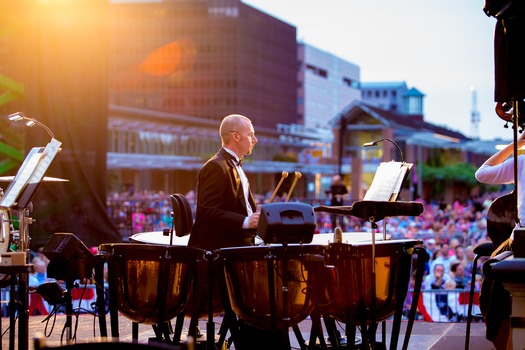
[253, 220]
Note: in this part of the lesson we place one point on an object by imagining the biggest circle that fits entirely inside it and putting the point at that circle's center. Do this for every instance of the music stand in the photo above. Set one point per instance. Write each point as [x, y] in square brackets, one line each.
[17, 197]
[18, 194]
[379, 203]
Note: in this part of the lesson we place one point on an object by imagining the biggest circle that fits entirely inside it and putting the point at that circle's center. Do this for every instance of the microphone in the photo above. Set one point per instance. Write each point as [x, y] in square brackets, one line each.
[374, 143]
[30, 122]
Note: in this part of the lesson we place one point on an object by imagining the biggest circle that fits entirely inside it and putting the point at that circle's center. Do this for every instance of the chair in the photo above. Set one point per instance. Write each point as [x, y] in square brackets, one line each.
[182, 225]
[181, 214]
[501, 220]
[480, 250]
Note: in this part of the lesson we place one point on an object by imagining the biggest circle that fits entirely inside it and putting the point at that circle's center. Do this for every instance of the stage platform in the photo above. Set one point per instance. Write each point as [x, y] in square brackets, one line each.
[425, 335]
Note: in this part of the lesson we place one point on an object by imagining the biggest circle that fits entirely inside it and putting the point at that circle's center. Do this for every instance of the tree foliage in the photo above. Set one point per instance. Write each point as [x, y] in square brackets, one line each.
[458, 172]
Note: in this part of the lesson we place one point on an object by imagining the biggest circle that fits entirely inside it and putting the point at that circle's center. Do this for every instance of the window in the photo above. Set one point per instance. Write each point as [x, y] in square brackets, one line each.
[317, 71]
[347, 81]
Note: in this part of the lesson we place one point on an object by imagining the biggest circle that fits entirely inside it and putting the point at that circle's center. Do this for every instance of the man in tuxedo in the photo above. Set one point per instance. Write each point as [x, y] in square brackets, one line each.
[226, 215]
[226, 211]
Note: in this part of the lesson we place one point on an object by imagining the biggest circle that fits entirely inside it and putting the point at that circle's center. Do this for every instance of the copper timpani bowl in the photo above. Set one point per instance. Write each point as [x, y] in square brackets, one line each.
[351, 281]
[151, 282]
[270, 287]
[158, 238]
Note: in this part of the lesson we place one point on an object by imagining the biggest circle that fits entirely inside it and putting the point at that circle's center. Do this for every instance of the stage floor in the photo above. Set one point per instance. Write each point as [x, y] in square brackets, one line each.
[425, 335]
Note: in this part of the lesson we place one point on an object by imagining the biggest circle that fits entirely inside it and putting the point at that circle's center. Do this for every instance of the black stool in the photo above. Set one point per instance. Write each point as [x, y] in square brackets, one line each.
[480, 250]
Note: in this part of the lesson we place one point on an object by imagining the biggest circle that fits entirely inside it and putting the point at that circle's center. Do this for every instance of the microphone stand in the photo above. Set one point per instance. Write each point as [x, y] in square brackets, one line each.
[515, 116]
[374, 143]
[374, 227]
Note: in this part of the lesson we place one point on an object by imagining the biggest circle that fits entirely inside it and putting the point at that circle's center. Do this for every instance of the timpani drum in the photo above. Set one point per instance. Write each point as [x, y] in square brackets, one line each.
[270, 287]
[354, 300]
[158, 238]
[151, 282]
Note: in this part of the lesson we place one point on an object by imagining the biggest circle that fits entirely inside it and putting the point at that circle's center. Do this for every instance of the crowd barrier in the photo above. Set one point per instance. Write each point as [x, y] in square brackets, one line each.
[446, 305]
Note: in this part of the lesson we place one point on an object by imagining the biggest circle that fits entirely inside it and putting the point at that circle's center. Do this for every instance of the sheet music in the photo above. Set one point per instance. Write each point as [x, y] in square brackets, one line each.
[388, 180]
[51, 150]
[32, 171]
[403, 173]
[22, 177]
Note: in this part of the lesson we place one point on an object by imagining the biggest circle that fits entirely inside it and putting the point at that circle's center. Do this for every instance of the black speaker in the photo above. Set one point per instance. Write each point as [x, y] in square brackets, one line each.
[69, 258]
[286, 223]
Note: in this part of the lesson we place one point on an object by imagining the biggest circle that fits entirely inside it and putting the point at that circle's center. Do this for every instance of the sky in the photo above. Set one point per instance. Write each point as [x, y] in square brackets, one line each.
[443, 48]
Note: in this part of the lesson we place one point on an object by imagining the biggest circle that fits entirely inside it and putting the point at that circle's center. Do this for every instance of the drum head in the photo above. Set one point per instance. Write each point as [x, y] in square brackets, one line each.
[157, 237]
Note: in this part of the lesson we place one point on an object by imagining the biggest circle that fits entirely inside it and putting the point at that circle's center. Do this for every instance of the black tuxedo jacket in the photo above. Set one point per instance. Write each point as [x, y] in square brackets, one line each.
[221, 206]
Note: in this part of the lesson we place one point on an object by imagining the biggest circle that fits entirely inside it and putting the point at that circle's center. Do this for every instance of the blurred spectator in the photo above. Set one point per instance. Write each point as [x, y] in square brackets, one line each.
[40, 275]
[460, 255]
[457, 271]
[430, 247]
[338, 193]
[442, 257]
[438, 279]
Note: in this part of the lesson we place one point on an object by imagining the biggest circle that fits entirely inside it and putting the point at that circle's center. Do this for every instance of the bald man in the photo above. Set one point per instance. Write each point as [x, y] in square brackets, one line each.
[226, 214]
[226, 208]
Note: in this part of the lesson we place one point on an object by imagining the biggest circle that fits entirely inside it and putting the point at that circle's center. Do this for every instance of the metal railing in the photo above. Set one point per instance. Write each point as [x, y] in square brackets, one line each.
[443, 305]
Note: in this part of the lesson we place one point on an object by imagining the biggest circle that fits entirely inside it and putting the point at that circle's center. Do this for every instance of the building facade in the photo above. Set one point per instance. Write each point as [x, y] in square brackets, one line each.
[190, 63]
[203, 58]
[326, 84]
[394, 97]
